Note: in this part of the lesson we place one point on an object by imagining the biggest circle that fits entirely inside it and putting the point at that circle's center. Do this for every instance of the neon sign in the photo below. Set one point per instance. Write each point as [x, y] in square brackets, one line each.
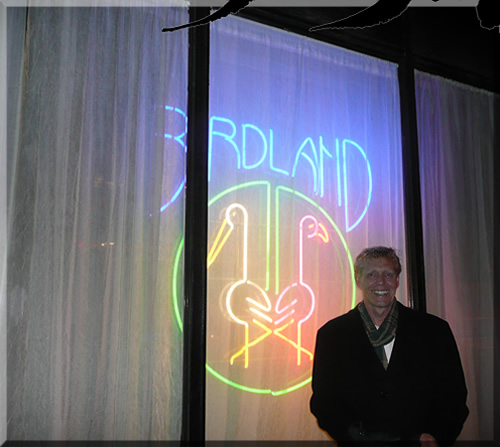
[311, 160]
[179, 147]
[301, 290]
[291, 190]
[259, 301]
[257, 315]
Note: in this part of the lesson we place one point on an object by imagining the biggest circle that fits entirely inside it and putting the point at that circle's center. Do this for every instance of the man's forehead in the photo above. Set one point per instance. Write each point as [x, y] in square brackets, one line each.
[381, 263]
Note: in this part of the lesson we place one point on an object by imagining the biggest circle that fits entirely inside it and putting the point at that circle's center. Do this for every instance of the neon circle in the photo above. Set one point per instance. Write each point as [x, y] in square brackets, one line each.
[175, 296]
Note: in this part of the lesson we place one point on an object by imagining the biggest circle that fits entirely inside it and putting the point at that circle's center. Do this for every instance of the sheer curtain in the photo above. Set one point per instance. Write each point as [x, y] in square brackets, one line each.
[456, 137]
[95, 207]
[305, 171]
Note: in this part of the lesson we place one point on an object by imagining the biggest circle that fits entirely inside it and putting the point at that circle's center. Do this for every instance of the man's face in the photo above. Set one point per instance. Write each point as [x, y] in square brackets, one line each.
[378, 282]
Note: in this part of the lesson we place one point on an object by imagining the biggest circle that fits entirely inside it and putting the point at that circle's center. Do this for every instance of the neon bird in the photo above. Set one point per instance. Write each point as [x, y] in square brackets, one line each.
[299, 296]
[323, 235]
[245, 295]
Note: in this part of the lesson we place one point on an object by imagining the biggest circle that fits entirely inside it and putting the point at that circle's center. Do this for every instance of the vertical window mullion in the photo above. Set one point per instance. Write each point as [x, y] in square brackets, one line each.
[195, 292]
[411, 178]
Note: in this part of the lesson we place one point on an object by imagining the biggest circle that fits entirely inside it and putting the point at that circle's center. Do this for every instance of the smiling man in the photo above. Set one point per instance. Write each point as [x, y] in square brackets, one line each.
[386, 374]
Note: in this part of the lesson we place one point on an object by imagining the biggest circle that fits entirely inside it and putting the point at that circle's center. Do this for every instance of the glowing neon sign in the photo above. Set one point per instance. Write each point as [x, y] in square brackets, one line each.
[259, 297]
[311, 158]
[301, 289]
[180, 146]
[260, 300]
[264, 315]
[285, 192]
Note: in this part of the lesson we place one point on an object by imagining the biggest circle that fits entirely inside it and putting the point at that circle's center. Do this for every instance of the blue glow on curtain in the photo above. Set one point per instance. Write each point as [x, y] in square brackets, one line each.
[304, 162]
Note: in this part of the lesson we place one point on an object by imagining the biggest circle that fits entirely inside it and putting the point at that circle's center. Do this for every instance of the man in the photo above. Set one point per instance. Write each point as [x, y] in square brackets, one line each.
[384, 372]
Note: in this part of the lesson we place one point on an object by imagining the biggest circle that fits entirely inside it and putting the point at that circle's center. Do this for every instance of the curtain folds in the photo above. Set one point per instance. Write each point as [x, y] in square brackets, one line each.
[456, 141]
[93, 351]
[305, 172]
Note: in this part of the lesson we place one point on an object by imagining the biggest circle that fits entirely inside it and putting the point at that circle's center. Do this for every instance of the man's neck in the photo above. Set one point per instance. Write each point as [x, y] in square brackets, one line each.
[378, 314]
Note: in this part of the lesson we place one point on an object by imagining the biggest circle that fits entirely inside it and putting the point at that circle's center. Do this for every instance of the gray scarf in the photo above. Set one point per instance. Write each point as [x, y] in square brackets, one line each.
[384, 334]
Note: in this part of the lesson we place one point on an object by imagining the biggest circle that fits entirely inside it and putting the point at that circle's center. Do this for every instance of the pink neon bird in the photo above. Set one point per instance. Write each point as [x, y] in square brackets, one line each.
[297, 301]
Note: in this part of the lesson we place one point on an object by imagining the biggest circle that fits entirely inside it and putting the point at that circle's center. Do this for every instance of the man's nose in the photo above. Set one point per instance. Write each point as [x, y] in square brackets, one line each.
[380, 279]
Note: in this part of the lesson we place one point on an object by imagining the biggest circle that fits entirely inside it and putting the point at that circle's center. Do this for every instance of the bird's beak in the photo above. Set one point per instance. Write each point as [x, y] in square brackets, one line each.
[223, 234]
[321, 232]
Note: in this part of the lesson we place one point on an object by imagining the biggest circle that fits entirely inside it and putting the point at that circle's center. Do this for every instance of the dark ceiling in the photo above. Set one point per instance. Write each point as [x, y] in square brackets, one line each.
[447, 41]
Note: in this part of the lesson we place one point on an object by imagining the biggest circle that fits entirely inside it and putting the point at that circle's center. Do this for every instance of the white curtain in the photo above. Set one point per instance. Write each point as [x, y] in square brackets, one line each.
[456, 137]
[305, 172]
[95, 175]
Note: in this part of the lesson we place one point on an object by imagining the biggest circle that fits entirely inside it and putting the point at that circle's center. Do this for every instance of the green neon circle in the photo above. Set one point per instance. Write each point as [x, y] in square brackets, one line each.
[176, 271]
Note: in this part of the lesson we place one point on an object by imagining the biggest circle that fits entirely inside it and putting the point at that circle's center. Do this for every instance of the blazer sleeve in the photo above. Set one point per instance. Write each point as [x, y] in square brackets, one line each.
[449, 390]
[326, 402]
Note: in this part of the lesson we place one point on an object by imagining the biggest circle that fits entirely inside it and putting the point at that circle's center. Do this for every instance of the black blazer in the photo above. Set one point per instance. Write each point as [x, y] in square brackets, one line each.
[422, 391]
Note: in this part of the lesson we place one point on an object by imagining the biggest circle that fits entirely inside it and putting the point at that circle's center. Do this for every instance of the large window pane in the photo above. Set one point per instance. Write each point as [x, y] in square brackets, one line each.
[456, 140]
[305, 171]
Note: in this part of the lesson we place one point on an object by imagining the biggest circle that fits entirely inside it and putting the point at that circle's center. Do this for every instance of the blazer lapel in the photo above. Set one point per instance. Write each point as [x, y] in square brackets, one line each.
[402, 343]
